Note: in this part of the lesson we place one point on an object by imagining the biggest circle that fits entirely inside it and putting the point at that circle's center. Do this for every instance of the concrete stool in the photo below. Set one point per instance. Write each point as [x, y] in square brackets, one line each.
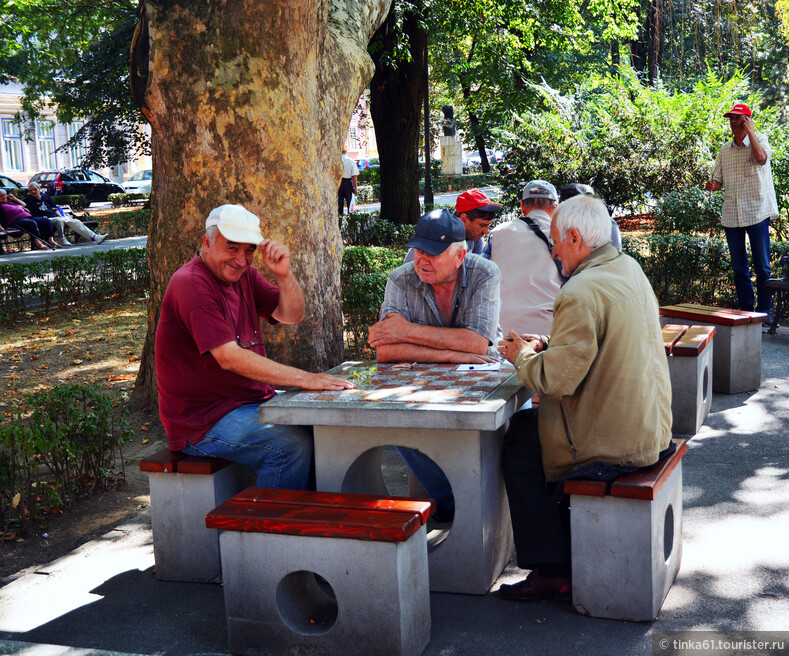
[627, 541]
[737, 360]
[183, 490]
[689, 352]
[324, 573]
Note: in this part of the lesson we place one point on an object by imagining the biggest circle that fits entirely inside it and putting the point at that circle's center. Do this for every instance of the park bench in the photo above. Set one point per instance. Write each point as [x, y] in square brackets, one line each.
[737, 356]
[627, 540]
[324, 573]
[183, 489]
[780, 288]
[689, 350]
[17, 238]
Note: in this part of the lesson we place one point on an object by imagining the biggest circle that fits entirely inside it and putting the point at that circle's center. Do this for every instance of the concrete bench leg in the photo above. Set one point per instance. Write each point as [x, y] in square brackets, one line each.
[626, 553]
[184, 549]
[691, 390]
[275, 606]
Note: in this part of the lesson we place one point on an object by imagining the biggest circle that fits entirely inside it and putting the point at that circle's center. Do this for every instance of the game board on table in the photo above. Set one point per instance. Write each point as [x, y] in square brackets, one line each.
[422, 383]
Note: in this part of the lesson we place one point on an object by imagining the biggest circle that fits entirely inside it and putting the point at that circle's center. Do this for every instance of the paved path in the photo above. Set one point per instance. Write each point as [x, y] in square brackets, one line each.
[734, 576]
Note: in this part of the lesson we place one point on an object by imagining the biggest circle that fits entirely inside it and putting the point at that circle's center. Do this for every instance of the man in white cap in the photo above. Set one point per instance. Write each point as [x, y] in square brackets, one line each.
[742, 170]
[211, 366]
[530, 279]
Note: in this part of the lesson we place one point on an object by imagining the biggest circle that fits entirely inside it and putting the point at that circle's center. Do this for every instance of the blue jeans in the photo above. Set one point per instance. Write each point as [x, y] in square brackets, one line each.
[759, 238]
[281, 455]
[431, 477]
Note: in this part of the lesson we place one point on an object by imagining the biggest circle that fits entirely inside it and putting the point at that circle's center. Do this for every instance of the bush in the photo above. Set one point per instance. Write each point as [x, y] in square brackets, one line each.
[368, 229]
[365, 270]
[65, 280]
[119, 200]
[74, 201]
[130, 223]
[66, 447]
[690, 211]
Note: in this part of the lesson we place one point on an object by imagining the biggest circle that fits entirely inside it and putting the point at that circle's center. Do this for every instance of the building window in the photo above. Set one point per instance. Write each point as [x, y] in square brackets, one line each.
[79, 149]
[46, 145]
[12, 143]
[354, 142]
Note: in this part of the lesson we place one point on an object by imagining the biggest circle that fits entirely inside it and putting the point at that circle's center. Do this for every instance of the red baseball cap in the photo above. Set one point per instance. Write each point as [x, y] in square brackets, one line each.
[738, 110]
[474, 199]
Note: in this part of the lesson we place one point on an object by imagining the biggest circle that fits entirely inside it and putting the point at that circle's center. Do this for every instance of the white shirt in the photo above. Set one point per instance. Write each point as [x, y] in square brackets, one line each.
[529, 278]
[748, 192]
[349, 168]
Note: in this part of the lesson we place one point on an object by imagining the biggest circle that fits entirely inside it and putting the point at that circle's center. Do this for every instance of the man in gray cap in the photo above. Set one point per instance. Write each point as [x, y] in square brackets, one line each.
[530, 278]
[442, 307]
[211, 366]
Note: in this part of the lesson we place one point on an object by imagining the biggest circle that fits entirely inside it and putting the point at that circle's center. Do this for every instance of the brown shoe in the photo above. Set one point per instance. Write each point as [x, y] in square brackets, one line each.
[536, 588]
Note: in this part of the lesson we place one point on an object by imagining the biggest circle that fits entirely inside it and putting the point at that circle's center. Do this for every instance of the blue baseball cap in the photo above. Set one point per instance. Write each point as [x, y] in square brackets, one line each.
[436, 230]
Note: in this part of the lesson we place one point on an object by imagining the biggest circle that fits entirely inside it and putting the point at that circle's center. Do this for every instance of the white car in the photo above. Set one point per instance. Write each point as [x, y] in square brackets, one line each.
[139, 183]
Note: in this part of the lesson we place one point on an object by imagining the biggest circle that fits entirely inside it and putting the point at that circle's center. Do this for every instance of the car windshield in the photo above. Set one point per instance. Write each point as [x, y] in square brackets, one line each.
[141, 175]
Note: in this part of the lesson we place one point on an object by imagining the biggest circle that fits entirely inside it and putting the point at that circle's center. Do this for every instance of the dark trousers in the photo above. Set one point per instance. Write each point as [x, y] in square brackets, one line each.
[541, 526]
[344, 194]
[759, 238]
[37, 226]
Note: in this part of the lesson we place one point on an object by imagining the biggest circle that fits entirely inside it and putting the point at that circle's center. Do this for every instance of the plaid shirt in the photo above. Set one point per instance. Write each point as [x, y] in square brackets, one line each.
[748, 195]
[476, 299]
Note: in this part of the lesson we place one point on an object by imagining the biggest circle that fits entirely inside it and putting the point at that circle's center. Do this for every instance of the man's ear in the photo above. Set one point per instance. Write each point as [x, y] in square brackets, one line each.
[575, 237]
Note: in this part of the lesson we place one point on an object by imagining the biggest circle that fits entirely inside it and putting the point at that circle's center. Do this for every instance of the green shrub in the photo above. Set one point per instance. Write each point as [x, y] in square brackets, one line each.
[365, 270]
[689, 211]
[130, 223]
[119, 200]
[74, 201]
[66, 446]
[367, 229]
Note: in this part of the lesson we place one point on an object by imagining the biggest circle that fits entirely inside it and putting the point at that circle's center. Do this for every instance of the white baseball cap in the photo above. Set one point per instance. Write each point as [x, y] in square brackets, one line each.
[235, 224]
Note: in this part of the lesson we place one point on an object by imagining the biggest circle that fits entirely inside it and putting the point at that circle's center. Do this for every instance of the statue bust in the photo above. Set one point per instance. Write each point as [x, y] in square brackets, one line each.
[448, 123]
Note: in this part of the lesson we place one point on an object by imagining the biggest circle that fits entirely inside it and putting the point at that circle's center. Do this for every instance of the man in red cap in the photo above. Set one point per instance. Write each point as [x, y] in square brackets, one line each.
[742, 169]
[476, 212]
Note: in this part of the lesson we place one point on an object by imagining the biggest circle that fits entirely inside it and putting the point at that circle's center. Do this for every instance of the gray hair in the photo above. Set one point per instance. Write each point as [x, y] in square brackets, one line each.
[545, 204]
[33, 184]
[588, 216]
[456, 246]
[211, 232]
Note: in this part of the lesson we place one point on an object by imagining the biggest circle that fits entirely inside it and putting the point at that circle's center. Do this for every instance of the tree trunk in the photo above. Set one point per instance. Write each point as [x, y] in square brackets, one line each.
[656, 32]
[396, 97]
[249, 103]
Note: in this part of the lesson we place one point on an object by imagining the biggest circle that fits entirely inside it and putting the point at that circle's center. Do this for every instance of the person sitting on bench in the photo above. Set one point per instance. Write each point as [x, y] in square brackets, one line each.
[39, 203]
[14, 215]
[441, 307]
[211, 365]
[605, 393]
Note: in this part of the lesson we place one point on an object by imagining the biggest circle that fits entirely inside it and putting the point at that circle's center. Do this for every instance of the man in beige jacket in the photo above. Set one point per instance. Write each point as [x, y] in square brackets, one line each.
[605, 394]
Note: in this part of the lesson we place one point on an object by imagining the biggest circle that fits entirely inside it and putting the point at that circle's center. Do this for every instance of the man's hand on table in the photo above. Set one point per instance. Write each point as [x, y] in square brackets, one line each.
[510, 346]
[325, 382]
[459, 357]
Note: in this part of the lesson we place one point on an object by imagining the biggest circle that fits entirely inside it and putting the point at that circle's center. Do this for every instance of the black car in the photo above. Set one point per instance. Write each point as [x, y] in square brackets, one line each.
[77, 181]
[12, 186]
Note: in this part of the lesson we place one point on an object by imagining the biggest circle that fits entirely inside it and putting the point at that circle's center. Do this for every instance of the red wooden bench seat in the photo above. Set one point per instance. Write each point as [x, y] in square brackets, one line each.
[321, 514]
[171, 462]
[643, 484]
[710, 314]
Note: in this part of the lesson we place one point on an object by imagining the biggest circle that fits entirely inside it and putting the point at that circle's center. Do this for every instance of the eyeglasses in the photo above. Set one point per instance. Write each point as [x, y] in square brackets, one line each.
[256, 341]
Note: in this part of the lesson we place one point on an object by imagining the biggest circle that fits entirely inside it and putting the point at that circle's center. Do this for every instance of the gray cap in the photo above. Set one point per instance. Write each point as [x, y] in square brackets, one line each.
[540, 189]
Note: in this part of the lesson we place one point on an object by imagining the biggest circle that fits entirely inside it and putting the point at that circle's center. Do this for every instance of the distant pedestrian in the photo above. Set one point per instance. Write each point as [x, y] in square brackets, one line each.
[743, 171]
[39, 203]
[348, 184]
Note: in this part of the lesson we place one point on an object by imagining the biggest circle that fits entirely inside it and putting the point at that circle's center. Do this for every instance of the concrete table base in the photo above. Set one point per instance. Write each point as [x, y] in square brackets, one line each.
[184, 549]
[276, 607]
[737, 358]
[626, 553]
[479, 543]
[691, 389]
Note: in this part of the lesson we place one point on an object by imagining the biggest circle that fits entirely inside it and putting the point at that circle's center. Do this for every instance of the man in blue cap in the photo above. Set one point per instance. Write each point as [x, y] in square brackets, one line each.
[442, 307]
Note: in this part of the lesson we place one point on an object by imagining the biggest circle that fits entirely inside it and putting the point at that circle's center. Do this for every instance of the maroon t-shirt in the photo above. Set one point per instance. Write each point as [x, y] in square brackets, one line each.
[198, 314]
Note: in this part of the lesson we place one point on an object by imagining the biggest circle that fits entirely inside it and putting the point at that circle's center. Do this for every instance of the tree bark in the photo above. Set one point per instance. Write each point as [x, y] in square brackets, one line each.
[396, 97]
[249, 103]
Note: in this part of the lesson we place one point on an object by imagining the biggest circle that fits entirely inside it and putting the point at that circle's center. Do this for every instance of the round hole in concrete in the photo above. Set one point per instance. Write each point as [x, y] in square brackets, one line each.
[306, 603]
[668, 532]
[383, 471]
[705, 384]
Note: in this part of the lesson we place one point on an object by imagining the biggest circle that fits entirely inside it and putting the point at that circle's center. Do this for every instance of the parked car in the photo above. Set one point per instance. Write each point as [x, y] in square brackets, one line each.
[12, 186]
[77, 181]
[371, 163]
[139, 183]
[475, 160]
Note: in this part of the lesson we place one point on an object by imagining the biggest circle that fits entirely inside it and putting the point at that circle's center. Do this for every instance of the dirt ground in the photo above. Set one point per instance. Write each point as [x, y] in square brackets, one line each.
[94, 345]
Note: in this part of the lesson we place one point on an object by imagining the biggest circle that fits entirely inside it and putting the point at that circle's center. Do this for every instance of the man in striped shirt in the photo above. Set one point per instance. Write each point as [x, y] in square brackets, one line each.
[742, 169]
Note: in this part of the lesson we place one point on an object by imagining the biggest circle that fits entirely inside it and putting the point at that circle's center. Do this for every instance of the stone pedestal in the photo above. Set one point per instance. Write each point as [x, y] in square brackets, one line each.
[451, 155]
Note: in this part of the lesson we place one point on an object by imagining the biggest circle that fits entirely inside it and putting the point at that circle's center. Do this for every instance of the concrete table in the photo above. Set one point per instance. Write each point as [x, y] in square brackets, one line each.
[456, 418]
